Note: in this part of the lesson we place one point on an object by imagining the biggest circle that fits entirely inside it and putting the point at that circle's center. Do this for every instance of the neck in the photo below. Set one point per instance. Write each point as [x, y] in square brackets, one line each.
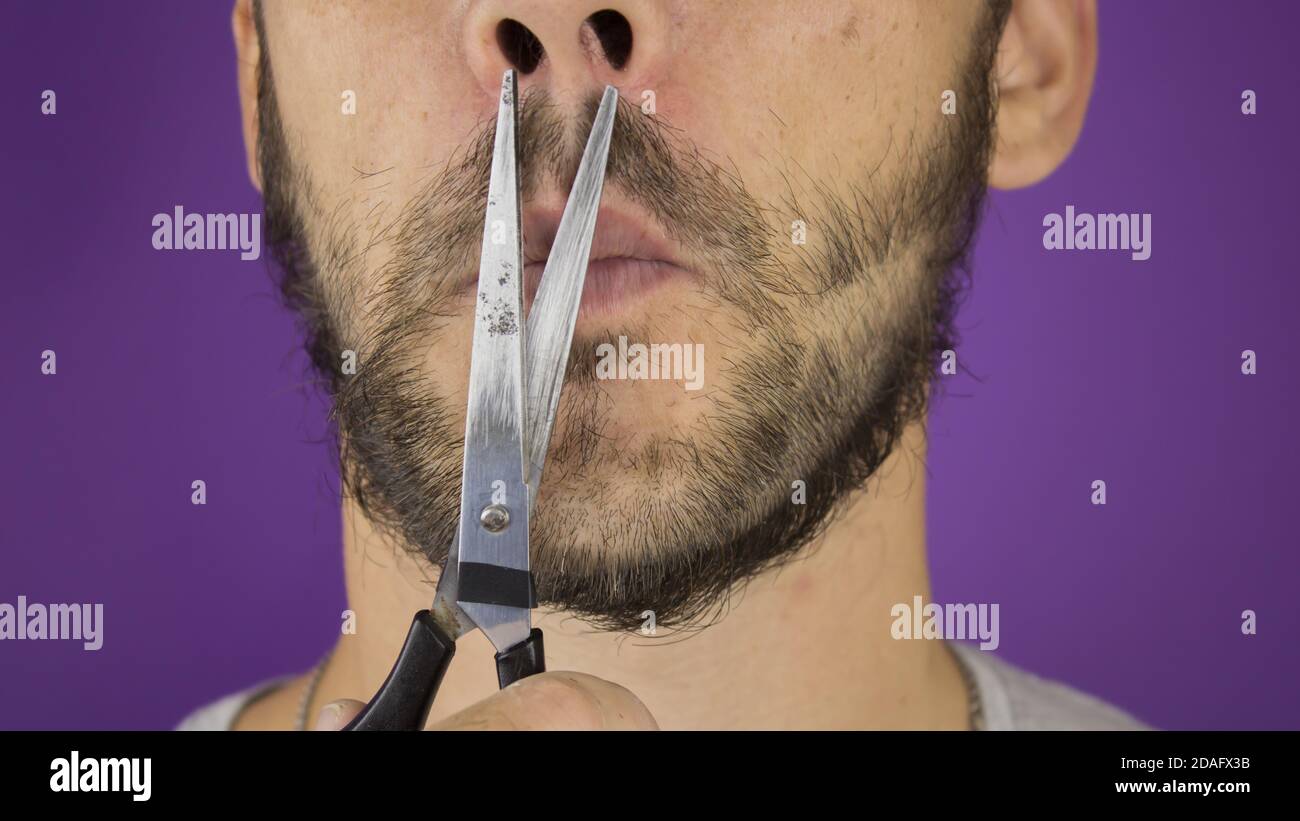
[805, 646]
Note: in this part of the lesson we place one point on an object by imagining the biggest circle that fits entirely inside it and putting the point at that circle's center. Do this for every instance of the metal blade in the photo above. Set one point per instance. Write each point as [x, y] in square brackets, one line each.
[493, 557]
[446, 610]
[555, 308]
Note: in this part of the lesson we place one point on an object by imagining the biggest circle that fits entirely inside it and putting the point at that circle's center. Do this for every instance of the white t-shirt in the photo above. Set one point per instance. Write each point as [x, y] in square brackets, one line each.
[1010, 698]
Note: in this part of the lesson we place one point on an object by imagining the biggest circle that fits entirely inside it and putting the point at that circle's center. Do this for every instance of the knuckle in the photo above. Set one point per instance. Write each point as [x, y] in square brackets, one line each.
[630, 713]
[566, 699]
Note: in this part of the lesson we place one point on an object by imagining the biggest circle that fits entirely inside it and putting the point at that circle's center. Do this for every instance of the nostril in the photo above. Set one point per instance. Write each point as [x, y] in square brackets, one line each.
[520, 46]
[615, 35]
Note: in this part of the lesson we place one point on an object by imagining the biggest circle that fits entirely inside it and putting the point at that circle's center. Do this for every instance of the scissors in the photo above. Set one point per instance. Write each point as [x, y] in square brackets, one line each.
[516, 374]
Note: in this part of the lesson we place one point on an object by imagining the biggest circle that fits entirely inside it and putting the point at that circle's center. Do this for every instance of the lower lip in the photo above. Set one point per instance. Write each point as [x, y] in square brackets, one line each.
[613, 285]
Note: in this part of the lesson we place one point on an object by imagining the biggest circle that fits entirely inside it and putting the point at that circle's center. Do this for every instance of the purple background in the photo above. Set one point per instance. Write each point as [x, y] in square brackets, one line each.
[177, 366]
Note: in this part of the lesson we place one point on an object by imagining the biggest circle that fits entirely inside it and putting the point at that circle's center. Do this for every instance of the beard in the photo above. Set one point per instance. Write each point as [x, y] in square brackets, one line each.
[832, 350]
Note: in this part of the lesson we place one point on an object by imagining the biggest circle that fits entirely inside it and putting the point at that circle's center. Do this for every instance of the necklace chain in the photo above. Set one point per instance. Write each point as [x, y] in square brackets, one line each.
[309, 692]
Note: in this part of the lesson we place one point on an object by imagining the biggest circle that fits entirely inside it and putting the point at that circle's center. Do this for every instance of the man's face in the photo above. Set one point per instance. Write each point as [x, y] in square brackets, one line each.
[785, 191]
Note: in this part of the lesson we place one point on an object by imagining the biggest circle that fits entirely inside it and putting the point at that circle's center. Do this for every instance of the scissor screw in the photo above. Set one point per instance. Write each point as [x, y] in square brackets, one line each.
[495, 518]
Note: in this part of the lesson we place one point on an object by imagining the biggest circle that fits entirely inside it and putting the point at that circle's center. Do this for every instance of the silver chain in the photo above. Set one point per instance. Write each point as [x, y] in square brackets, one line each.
[309, 692]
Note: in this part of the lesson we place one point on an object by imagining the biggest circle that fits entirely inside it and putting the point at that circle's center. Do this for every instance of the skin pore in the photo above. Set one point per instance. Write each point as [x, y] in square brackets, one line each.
[816, 354]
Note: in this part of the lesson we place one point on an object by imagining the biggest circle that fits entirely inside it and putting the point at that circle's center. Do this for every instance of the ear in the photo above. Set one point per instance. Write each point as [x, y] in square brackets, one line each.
[248, 51]
[1045, 66]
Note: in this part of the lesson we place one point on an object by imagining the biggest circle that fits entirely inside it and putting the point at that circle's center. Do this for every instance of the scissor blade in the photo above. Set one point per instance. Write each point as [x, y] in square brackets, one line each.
[555, 308]
[446, 609]
[493, 561]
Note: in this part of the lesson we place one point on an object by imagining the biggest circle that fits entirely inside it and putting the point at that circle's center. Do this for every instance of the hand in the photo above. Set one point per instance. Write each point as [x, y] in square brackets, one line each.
[547, 701]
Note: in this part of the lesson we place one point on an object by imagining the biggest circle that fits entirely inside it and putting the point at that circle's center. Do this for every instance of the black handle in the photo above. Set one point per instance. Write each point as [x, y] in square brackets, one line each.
[403, 701]
[527, 658]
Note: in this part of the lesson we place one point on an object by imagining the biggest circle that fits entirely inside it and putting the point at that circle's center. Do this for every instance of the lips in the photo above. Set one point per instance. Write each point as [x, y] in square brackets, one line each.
[630, 258]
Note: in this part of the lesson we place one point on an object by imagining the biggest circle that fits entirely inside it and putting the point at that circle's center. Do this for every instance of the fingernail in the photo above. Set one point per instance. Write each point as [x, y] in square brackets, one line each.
[329, 716]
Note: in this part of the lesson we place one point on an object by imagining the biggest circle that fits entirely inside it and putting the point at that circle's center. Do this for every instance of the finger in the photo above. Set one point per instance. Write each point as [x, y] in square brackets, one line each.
[336, 714]
[555, 701]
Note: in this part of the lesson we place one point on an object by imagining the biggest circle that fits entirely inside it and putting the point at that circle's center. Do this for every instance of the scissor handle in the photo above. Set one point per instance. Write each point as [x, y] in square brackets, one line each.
[527, 658]
[404, 699]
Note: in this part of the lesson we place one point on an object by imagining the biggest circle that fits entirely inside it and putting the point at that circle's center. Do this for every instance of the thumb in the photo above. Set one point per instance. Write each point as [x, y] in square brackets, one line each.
[336, 714]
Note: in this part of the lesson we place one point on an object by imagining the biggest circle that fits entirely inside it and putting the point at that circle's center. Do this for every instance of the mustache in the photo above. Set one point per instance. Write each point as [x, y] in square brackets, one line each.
[650, 162]
[696, 202]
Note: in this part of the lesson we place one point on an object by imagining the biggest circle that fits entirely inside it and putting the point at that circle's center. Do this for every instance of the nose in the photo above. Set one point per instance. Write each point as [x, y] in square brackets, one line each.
[569, 47]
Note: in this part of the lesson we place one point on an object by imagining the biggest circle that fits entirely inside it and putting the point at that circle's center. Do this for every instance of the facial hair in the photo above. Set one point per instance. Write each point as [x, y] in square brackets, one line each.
[838, 345]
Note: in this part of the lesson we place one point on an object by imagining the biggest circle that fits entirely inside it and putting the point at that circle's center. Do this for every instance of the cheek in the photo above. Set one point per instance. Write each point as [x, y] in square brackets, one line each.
[373, 101]
[446, 357]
